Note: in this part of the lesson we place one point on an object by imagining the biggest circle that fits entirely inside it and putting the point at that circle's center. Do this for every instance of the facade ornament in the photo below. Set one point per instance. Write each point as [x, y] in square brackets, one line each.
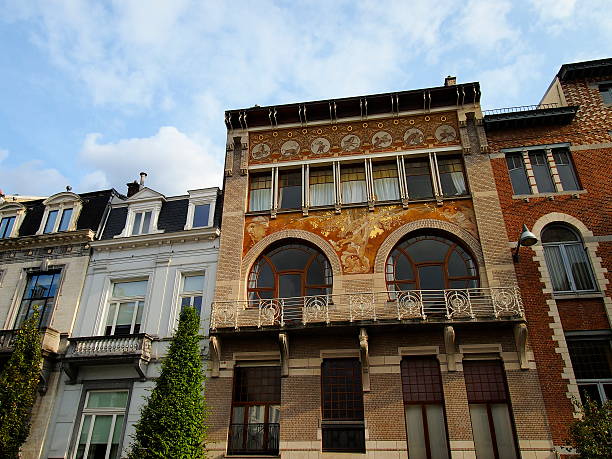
[520, 339]
[449, 344]
[283, 342]
[215, 354]
[364, 353]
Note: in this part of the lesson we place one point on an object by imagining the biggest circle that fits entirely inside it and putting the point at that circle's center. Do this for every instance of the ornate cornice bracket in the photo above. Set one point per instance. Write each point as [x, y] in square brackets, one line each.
[451, 348]
[364, 353]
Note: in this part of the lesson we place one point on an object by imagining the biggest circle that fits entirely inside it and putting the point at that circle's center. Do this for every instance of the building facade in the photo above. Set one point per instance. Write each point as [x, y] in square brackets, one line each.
[155, 256]
[366, 299]
[552, 171]
[44, 254]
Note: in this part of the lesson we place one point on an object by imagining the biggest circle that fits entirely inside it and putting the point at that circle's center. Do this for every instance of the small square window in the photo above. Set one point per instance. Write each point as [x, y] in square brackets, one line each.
[142, 223]
[201, 215]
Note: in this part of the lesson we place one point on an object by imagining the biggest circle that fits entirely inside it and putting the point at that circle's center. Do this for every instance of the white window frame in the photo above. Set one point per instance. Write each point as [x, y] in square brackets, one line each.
[13, 209]
[60, 202]
[183, 294]
[93, 412]
[146, 200]
[203, 196]
[117, 301]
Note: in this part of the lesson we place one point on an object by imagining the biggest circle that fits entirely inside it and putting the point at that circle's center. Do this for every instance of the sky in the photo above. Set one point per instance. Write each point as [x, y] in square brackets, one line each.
[93, 92]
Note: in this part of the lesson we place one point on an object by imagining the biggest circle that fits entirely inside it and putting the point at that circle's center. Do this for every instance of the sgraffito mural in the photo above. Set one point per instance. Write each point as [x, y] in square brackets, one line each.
[398, 134]
[357, 233]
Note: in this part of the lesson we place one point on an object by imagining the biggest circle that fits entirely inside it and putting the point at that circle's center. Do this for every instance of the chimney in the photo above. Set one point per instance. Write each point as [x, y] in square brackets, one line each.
[133, 188]
[143, 175]
[450, 81]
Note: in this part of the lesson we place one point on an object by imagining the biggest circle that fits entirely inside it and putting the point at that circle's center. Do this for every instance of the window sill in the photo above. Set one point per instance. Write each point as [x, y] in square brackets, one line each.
[575, 296]
[548, 195]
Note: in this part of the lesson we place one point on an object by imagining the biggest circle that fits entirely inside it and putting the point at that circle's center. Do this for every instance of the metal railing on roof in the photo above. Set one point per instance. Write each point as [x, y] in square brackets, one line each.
[520, 108]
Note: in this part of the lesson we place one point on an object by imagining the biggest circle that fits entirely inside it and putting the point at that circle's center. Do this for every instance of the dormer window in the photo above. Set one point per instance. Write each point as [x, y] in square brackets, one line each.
[201, 208]
[61, 213]
[142, 223]
[11, 214]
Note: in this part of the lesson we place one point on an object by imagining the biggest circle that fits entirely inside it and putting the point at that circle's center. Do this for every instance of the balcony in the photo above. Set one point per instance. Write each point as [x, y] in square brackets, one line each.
[528, 116]
[257, 439]
[50, 341]
[102, 350]
[411, 306]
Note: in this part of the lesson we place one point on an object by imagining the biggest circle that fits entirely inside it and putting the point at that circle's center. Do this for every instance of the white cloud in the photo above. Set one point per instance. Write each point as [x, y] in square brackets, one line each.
[175, 162]
[30, 178]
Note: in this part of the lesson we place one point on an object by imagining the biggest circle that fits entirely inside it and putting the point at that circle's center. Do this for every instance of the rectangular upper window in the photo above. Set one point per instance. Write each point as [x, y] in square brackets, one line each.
[343, 427]
[386, 183]
[565, 168]
[6, 227]
[592, 362]
[192, 292]
[124, 315]
[65, 220]
[518, 174]
[101, 424]
[51, 218]
[290, 189]
[322, 186]
[418, 178]
[260, 192]
[452, 177]
[39, 295]
[201, 215]
[353, 184]
[142, 223]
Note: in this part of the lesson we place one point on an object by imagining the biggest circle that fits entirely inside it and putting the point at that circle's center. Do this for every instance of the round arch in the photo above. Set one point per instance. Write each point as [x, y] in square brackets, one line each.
[394, 238]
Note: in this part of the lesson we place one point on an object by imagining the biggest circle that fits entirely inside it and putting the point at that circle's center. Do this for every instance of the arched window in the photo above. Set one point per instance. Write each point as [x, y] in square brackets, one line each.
[566, 259]
[428, 262]
[290, 270]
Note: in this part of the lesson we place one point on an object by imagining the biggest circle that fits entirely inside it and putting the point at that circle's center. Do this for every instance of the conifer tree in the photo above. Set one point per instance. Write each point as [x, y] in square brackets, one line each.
[173, 421]
[19, 381]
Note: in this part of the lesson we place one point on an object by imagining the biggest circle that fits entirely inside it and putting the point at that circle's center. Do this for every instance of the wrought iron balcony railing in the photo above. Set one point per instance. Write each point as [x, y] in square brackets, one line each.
[110, 346]
[520, 108]
[254, 439]
[498, 303]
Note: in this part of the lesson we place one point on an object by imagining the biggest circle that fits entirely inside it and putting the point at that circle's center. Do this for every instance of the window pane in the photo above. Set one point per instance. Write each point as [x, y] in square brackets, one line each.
[6, 227]
[484, 381]
[290, 189]
[431, 278]
[457, 266]
[257, 384]
[403, 268]
[482, 434]
[436, 428]
[341, 389]
[579, 266]
[518, 175]
[589, 392]
[193, 283]
[289, 285]
[428, 250]
[260, 187]
[386, 185]
[129, 289]
[556, 268]
[146, 223]
[101, 430]
[65, 220]
[415, 432]
[503, 431]
[321, 187]
[118, 429]
[539, 164]
[591, 358]
[51, 221]
[200, 215]
[85, 429]
[126, 313]
[565, 168]
[421, 381]
[353, 184]
[558, 233]
[137, 222]
[290, 258]
[451, 177]
[418, 179]
[104, 399]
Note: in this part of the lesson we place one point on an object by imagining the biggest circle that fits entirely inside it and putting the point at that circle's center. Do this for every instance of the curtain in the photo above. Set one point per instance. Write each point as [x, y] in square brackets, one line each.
[437, 431]
[482, 434]
[416, 432]
[503, 431]
[260, 200]
[458, 182]
[579, 265]
[322, 194]
[354, 191]
[554, 262]
[386, 189]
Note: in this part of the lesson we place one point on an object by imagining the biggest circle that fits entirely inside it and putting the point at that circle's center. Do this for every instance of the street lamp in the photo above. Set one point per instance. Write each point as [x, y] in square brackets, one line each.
[526, 239]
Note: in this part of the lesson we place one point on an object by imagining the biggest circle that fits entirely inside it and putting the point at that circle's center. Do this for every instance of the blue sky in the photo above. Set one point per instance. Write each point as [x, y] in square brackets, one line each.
[94, 92]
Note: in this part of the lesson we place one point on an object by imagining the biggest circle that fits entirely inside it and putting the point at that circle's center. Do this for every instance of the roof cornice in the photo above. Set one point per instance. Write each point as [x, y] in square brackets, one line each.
[145, 240]
[46, 240]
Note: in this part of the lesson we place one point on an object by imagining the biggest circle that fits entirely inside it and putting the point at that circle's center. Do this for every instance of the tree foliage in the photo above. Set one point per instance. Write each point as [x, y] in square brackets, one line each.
[591, 436]
[18, 388]
[173, 421]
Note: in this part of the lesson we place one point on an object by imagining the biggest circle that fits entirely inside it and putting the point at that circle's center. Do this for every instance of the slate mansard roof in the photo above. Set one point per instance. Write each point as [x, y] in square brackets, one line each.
[91, 217]
[172, 217]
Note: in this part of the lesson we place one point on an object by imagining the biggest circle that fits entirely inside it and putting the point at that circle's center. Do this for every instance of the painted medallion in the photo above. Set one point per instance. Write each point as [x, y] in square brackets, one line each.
[320, 146]
[382, 139]
[290, 148]
[350, 142]
[446, 133]
[261, 150]
[414, 136]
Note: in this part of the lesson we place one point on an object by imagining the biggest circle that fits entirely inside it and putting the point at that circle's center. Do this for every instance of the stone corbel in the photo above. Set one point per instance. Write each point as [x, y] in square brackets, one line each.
[451, 349]
[283, 342]
[229, 160]
[482, 136]
[520, 339]
[465, 140]
[244, 157]
[364, 353]
[215, 356]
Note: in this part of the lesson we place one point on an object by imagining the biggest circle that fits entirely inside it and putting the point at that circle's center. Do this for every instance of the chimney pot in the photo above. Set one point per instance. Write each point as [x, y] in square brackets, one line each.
[450, 81]
[143, 175]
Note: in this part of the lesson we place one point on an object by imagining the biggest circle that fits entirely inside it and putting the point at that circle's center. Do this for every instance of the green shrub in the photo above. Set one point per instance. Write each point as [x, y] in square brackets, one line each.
[173, 421]
[18, 388]
[591, 436]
